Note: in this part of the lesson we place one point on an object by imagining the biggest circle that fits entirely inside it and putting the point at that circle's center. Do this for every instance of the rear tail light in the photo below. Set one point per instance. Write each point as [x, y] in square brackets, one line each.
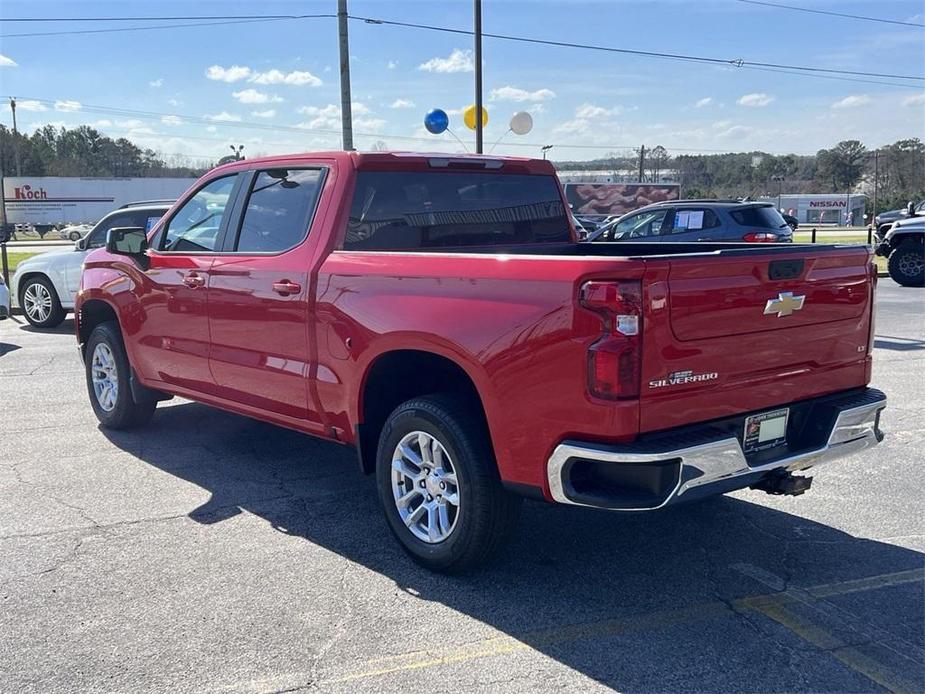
[760, 237]
[614, 361]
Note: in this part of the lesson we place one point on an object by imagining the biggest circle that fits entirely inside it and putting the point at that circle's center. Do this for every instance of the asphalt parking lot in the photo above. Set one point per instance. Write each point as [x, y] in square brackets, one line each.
[214, 553]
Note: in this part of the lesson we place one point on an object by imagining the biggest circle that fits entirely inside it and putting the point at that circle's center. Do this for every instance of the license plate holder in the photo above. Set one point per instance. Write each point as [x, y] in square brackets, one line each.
[765, 430]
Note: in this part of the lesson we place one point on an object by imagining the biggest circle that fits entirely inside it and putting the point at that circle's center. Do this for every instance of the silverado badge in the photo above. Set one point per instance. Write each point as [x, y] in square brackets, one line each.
[678, 378]
[785, 304]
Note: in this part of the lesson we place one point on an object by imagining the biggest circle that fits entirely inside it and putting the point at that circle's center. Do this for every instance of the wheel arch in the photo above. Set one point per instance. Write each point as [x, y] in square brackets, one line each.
[395, 376]
[91, 313]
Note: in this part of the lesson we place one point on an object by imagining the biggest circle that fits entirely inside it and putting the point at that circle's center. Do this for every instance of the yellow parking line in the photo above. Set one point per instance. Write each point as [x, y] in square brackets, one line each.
[771, 605]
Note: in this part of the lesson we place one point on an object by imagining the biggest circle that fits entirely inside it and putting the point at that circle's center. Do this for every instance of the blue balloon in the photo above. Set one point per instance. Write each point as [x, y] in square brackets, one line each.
[436, 121]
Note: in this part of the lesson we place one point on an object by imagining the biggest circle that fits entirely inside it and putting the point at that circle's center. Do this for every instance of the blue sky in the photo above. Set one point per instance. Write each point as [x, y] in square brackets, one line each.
[273, 86]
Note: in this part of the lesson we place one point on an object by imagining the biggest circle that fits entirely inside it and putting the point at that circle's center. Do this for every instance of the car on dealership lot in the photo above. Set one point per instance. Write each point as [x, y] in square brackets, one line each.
[74, 232]
[883, 220]
[437, 313]
[903, 245]
[6, 309]
[699, 220]
[45, 285]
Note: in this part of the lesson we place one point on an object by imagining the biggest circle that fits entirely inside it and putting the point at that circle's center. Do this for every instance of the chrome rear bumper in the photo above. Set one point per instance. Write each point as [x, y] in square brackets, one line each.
[715, 464]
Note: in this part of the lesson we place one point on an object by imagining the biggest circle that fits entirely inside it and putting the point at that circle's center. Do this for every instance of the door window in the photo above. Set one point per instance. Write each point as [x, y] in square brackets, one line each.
[279, 210]
[195, 227]
[639, 225]
[143, 219]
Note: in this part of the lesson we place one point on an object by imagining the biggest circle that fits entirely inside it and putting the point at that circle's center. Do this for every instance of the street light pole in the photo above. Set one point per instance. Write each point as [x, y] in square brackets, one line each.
[478, 75]
[545, 148]
[15, 136]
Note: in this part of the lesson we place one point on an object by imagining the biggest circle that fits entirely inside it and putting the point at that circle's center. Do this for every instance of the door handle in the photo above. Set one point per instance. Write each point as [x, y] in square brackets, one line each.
[194, 281]
[285, 288]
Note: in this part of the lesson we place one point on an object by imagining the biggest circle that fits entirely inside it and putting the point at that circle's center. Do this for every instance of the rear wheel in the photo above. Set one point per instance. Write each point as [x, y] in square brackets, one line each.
[108, 381]
[39, 302]
[74, 236]
[907, 265]
[439, 485]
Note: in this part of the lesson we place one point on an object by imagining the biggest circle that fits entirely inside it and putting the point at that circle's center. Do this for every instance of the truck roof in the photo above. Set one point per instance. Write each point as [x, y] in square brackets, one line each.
[404, 160]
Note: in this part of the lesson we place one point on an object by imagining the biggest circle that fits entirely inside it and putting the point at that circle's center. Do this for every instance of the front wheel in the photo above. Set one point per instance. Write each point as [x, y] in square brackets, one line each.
[108, 381]
[40, 304]
[439, 484]
[906, 265]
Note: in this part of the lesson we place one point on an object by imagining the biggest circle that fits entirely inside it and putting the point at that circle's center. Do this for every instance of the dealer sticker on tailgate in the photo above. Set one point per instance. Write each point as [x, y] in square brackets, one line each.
[765, 430]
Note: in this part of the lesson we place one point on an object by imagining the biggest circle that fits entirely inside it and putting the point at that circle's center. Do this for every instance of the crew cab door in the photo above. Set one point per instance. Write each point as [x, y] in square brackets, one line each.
[173, 341]
[259, 293]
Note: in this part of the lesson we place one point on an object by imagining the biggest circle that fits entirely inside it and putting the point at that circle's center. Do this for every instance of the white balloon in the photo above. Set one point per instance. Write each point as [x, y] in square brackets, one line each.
[521, 123]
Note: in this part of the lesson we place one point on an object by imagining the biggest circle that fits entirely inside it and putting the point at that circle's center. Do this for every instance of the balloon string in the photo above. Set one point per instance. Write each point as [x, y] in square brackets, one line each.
[458, 140]
[498, 140]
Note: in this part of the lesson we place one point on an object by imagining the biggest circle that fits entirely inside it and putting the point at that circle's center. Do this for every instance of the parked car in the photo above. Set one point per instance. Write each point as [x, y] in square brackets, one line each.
[45, 285]
[74, 232]
[699, 220]
[903, 245]
[883, 220]
[5, 307]
[435, 312]
[792, 221]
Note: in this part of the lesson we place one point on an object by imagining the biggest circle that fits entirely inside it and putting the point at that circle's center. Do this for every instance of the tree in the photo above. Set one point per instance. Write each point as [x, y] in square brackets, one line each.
[843, 165]
[658, 161]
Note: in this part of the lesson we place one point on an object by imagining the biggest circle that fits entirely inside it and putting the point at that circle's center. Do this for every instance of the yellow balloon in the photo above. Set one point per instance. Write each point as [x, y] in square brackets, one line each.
[469, 117]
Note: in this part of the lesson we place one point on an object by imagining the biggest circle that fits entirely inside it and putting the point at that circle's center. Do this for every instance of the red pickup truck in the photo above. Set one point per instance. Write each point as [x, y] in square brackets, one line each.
[436, 312]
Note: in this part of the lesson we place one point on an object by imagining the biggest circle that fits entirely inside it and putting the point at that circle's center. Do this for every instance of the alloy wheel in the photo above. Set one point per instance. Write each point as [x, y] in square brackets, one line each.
[37, 302]
[105, 377]
[425, 487]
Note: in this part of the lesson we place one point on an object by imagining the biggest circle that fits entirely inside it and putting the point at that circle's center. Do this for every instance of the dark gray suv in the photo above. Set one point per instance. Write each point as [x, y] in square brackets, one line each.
[699, 220]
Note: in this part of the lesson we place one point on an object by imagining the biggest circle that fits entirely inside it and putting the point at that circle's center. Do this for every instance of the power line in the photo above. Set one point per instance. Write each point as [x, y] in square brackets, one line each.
[735, 62]
[210, 22]
[162, 19]
[832, 14]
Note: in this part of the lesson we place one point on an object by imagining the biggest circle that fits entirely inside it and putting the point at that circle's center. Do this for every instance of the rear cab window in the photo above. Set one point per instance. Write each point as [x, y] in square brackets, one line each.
[762, 217]
[402, 210]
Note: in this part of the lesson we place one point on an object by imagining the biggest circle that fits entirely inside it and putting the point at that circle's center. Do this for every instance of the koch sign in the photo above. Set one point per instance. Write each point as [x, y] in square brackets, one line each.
[55, 200]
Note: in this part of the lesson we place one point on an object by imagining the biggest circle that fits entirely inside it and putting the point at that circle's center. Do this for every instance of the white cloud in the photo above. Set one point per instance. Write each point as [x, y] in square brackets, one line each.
[269, 113]
[915, 100]
[705, 101]
[515, 94]
[67, 106]
[172, 120]
[736, 131]
[852, 101]
[159, 82]
[579, 126]
[368, 124]
[590, 111]
[224, 117]
[7, 62]
[392, 64]
[31, 105]
[130, 124]
[402, 103]
[103, 123]
[297, 78]
[755, 100]
[234, 73]
[459, 61]
[174, 102]
[211, 129]
[252, 96]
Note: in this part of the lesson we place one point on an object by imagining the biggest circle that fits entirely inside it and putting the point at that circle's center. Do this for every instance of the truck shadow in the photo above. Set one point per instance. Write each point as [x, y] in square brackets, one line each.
[637, 602]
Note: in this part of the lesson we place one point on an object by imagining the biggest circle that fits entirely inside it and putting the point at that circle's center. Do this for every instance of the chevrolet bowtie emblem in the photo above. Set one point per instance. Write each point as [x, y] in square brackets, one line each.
[785, 304]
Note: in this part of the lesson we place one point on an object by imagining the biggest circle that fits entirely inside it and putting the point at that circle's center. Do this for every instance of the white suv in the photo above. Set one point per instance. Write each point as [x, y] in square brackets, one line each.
[46, 285]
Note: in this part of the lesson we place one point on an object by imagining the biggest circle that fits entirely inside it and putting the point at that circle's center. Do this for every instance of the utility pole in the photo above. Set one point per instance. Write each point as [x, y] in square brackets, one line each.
[873, 212]
[4, 260]
[545, 149]
[478, 76]
[642, 163]
[346, 112]
[15, 136]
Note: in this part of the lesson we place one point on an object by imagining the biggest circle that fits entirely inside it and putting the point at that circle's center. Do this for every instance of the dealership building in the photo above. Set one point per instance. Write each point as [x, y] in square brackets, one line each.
[823, 208]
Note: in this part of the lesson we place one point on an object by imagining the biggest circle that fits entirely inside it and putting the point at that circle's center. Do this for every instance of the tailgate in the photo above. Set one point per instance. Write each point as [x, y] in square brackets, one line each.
[739, 331]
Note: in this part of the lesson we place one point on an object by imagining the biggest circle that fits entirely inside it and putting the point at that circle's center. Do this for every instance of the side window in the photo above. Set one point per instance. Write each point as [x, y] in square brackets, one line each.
[194, 228]
[125, 219]
[279, 210]
[639, 225]
[694, 220]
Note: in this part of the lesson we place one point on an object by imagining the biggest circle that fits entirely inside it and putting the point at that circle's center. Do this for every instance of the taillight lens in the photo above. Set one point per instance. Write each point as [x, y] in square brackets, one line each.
[614, 361]
[760, 237]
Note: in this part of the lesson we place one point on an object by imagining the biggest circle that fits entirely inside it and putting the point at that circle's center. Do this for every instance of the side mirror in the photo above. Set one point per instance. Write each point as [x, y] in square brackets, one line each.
[130, 241]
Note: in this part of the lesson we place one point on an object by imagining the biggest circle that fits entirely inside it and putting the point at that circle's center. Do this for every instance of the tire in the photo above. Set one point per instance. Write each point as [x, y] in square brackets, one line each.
[907, 264]
[106, 363]
[39, 302]
[74, 236]
[485, 514]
